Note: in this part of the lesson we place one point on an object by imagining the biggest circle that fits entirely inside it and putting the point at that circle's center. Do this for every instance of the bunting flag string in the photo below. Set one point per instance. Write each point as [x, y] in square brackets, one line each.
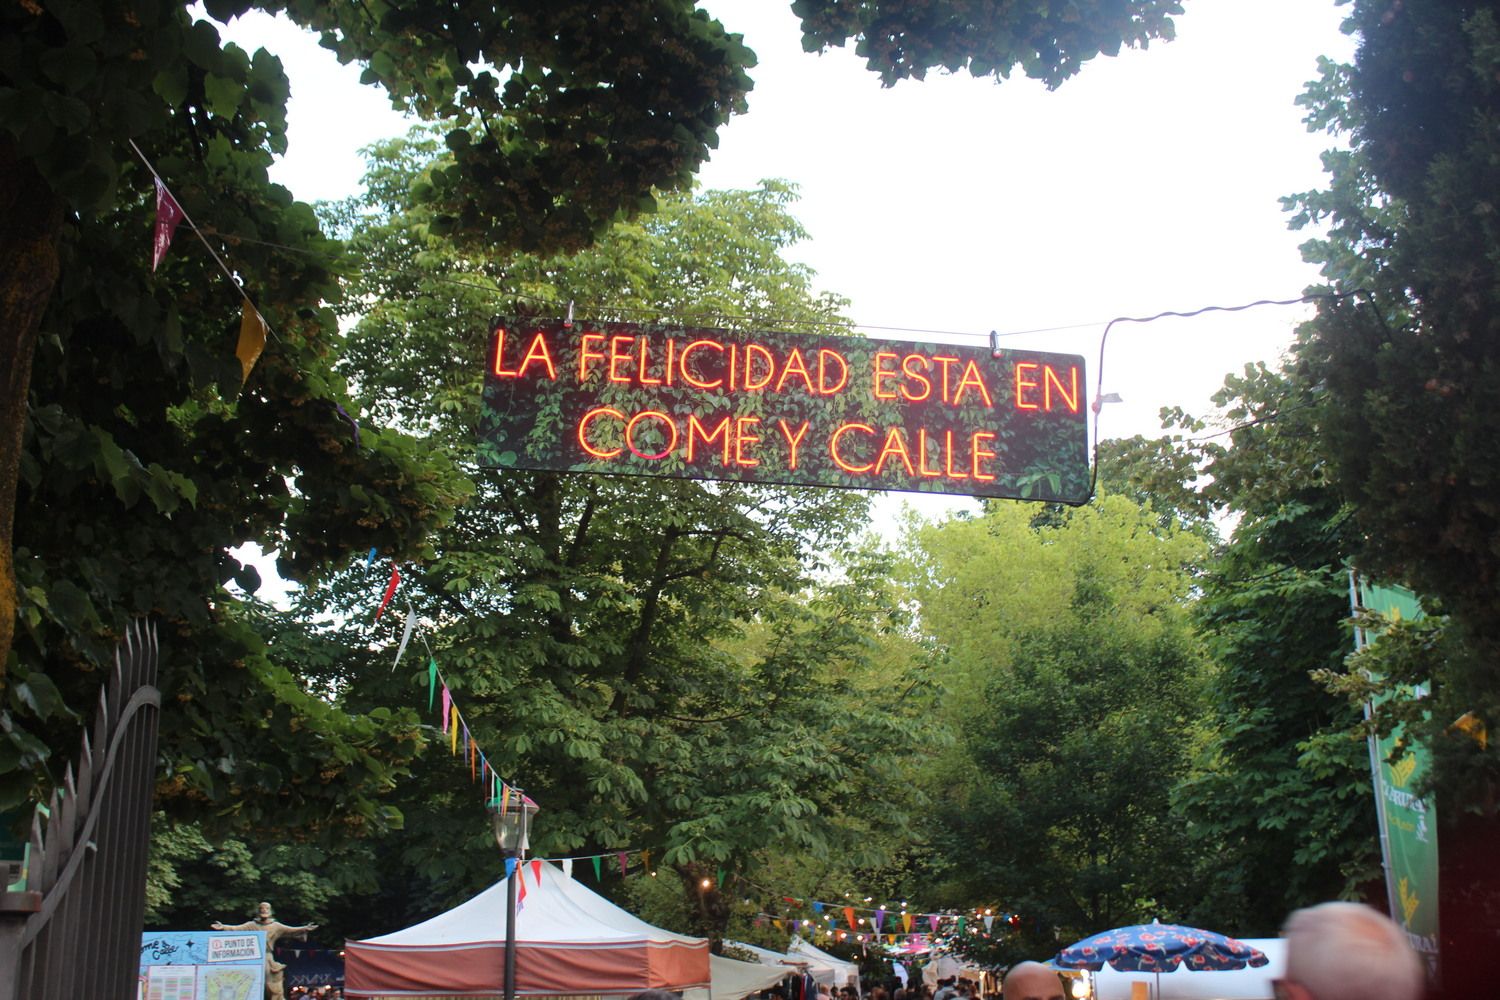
[169, 214]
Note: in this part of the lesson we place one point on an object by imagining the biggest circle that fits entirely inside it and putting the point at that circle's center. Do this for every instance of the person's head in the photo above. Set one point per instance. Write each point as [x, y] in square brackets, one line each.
[1347, 951]
[1032, 981]
[263, 911]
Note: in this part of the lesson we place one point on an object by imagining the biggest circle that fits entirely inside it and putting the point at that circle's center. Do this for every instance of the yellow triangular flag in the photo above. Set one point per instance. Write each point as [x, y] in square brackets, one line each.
[252, 337]
[453, 732]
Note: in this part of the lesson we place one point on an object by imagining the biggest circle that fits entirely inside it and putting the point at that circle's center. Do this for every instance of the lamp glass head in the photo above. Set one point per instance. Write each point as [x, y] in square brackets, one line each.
[512, 824]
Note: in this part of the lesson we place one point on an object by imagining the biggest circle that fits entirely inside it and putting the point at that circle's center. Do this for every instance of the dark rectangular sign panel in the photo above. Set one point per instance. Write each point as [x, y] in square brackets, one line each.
[785, 408]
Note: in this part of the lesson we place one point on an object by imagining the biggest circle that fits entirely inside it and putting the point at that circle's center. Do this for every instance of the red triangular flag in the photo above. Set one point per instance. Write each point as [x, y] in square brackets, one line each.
[536, 871]
[521, 892]
[168, 215]
[390, 590]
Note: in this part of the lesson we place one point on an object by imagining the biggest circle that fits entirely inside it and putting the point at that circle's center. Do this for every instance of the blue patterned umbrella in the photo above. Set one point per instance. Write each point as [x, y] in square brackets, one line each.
[1157, 947]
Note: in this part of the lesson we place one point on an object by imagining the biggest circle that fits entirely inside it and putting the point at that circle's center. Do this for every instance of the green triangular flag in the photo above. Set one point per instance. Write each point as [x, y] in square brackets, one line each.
[961, 922]
[431, 681]
[721, 878]
[598, 876]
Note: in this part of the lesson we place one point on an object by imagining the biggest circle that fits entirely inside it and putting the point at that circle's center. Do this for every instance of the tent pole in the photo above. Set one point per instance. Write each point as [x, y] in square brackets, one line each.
[510, 931]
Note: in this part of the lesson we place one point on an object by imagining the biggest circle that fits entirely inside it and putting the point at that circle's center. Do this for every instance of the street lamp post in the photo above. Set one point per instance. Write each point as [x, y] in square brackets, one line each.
[512, 825]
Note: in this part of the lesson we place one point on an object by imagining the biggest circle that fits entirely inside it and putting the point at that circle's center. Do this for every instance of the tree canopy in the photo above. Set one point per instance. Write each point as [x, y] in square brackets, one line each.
[133, 461]
[1048, 41]
[1078, 688]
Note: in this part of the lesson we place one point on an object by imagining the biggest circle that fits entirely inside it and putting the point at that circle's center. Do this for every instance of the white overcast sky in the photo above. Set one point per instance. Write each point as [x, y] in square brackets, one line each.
[1149, 182]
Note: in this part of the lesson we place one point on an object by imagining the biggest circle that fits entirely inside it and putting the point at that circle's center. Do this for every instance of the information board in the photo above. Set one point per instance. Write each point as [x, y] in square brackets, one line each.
[203, 965]
[783, 408]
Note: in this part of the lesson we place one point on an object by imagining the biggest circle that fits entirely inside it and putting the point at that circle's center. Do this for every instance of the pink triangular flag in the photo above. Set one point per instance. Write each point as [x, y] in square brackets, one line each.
[447, 701]
[620, 855]
[933, 918]
[168, 215]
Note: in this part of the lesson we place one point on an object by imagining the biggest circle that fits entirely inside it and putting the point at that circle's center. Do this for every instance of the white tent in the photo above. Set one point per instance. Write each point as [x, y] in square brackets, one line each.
[844, 973]
[735, 980]
[787, 963]
[949, 967]
[569, 941]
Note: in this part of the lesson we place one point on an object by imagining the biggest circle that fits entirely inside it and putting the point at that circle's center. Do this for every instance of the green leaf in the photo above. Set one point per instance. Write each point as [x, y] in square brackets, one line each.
[223, 95]
[68, 113]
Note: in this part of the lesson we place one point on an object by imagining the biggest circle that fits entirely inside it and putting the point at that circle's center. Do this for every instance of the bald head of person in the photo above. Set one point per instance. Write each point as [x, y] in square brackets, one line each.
[1032, 981]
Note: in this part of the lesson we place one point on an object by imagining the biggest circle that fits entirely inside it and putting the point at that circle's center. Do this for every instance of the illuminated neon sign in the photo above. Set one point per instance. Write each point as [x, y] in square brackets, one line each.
[783, 408]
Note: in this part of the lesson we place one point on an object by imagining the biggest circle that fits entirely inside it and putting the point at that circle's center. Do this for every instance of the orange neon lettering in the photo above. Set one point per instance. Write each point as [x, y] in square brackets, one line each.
[616, 355]
[833, 448]
[733, 350]
[1023, 383]
[630, 435]
[1049, 379]
[667, 368]
[981, 453]
[538, 352]
[499, 365]
[922, 452]
[743, 436]
[881, 374]
[583, 431]
[948, 458]
[972, 376]
[754, 353]
[584, 354]
[946, 363]
[687, 372]
[795, 363]
[824, 356]
[698, 431]
[895, 444]
[906, 366]
[793, 441]
[645, 366]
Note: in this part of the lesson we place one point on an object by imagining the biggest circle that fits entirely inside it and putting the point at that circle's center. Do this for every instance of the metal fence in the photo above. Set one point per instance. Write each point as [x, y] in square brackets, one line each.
[75, 932]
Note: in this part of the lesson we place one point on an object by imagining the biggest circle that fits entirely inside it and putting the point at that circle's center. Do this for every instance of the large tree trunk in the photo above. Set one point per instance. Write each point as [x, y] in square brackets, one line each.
[30, 223]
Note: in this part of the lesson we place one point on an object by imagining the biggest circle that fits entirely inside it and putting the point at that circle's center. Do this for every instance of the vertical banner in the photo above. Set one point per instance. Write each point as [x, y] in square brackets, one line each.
[1408, 823]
